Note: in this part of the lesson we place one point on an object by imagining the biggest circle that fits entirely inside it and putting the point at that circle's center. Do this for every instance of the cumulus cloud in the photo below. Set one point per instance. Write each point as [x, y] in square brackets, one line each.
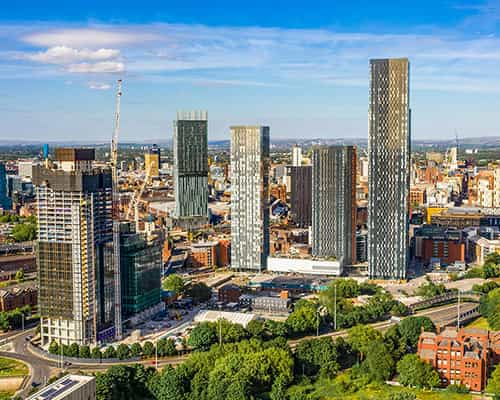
[67, 55]
[96, 68]
[99, 86]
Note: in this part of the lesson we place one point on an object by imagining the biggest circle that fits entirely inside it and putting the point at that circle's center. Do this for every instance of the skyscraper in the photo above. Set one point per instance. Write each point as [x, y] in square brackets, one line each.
[296, 156]
[334, 203]
[191, 167]
[152, 161]
[5, 201]
[389, 168]
[300, 194]
[249, 197]
[75, 249]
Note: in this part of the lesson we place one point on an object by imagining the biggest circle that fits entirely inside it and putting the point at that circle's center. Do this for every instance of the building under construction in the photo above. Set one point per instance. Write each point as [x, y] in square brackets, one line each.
[141, 266]
[75, 249]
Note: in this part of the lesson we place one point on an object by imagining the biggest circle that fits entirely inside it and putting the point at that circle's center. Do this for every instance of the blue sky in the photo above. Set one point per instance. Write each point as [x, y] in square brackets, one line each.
[300, 67]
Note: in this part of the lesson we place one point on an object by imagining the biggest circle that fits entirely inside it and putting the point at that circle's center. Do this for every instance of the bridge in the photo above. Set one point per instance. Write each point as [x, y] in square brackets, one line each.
[444, 298]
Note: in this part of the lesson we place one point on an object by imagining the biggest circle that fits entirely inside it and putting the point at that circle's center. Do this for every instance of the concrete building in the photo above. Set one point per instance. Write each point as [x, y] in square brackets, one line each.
[25, 169]
[69, 387]
[389, 169]
[304, 266]
[249, 197]
[465, 357]
[152, 161]
[296, 156]
[75, 249]
[334, 203]
[141, 267]
[301, 195]
[191, 167]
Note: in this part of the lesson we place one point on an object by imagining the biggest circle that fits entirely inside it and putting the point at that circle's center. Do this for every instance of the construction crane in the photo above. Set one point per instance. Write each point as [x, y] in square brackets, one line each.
[136, 198]
[116, 214]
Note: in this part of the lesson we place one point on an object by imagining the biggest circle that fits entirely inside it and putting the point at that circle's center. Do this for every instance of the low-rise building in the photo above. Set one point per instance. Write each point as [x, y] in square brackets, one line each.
[12, 298]
[229, 293]
[69, 387]
[304, 266]
[463, 357]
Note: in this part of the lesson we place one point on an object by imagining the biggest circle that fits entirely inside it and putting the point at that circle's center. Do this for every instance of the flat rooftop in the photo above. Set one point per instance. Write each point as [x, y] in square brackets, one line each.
[61, 388]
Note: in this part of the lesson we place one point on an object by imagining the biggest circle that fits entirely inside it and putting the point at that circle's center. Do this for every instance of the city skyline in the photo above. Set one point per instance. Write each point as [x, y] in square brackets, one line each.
[302, 70]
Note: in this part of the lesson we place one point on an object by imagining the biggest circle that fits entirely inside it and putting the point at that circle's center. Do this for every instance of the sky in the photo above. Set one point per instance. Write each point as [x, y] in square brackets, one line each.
[299, 67]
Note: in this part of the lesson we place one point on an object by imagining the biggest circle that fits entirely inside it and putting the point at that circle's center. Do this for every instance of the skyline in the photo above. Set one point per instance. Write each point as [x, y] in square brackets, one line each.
[305, 73]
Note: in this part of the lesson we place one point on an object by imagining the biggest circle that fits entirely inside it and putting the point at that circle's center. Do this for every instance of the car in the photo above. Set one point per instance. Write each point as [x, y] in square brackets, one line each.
[35, 384]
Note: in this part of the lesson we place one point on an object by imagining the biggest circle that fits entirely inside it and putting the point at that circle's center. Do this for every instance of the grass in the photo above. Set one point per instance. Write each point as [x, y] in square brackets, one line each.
[342, 389]
[12, 368]
[6, 395]
[480, 322]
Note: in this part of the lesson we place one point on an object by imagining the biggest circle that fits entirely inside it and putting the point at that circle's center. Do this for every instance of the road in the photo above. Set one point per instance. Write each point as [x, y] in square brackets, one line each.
[42, 368]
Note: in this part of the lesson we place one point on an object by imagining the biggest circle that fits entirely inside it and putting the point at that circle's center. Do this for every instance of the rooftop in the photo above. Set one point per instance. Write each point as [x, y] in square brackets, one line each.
[62, 387]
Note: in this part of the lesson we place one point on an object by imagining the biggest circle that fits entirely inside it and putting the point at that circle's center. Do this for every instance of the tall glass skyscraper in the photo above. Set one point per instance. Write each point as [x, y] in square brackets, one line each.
[334, 203]
[191, 167]
[389, 168]
[249, 197]
[5, 201]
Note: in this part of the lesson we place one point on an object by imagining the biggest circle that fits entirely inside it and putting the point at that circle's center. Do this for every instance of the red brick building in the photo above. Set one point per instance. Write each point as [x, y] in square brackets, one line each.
[9, 265]
[229, 293]
[10, 299]
[465, 357]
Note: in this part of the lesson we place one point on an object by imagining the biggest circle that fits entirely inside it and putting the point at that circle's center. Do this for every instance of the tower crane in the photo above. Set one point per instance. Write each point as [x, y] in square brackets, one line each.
[136, 198]
[116, 214]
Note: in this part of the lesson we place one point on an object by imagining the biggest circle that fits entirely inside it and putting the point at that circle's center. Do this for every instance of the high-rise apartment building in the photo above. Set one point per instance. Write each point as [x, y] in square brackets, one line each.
[334, 203]
[5, 202]
[152, 161]
[191, 167]
[296, 156]
[249, 197]
[389, 168]
[301, 194]
[75, 249]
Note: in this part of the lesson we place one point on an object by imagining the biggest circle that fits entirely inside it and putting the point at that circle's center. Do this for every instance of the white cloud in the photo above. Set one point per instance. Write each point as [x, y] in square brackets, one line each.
[67, 55]
[99, 86]
[87, 37]
[96, 68]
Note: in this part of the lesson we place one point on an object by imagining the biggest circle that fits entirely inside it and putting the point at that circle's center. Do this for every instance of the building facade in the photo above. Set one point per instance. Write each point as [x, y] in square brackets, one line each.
[334, 203]
[389, 169]
[465, 357]
[141, 267]
[296, 156]
[152, 161]
[249, 197]
[191, 167]
[5, 202]
[301, 195]
[75, 250]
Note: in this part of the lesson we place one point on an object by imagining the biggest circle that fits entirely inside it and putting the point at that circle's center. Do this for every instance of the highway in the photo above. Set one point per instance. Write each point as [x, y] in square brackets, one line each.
[42, 368]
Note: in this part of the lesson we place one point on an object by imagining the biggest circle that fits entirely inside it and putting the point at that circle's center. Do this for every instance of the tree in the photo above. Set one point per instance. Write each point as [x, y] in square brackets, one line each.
[84, 352]
[410, 329]
[123, 382]
[415, 372]
[360, 338]
[148, 349]
[54, 347]
[303, 319]
[430, 289]
[20, 275]
[135, 350]
[379, 363]
[199, 292]
[73, 350]
[494, 383]
[122, 351]
[24, 232]
[110, 352]
[174, 283]
[256, 328]
[404, 395]
[202, 337]
[96, 353]
[167, 385]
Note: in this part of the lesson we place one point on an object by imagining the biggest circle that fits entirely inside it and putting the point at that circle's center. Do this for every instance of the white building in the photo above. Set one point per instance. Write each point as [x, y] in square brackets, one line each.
[249, 197]
[296, 156]
[304, 266]
[69, 387]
